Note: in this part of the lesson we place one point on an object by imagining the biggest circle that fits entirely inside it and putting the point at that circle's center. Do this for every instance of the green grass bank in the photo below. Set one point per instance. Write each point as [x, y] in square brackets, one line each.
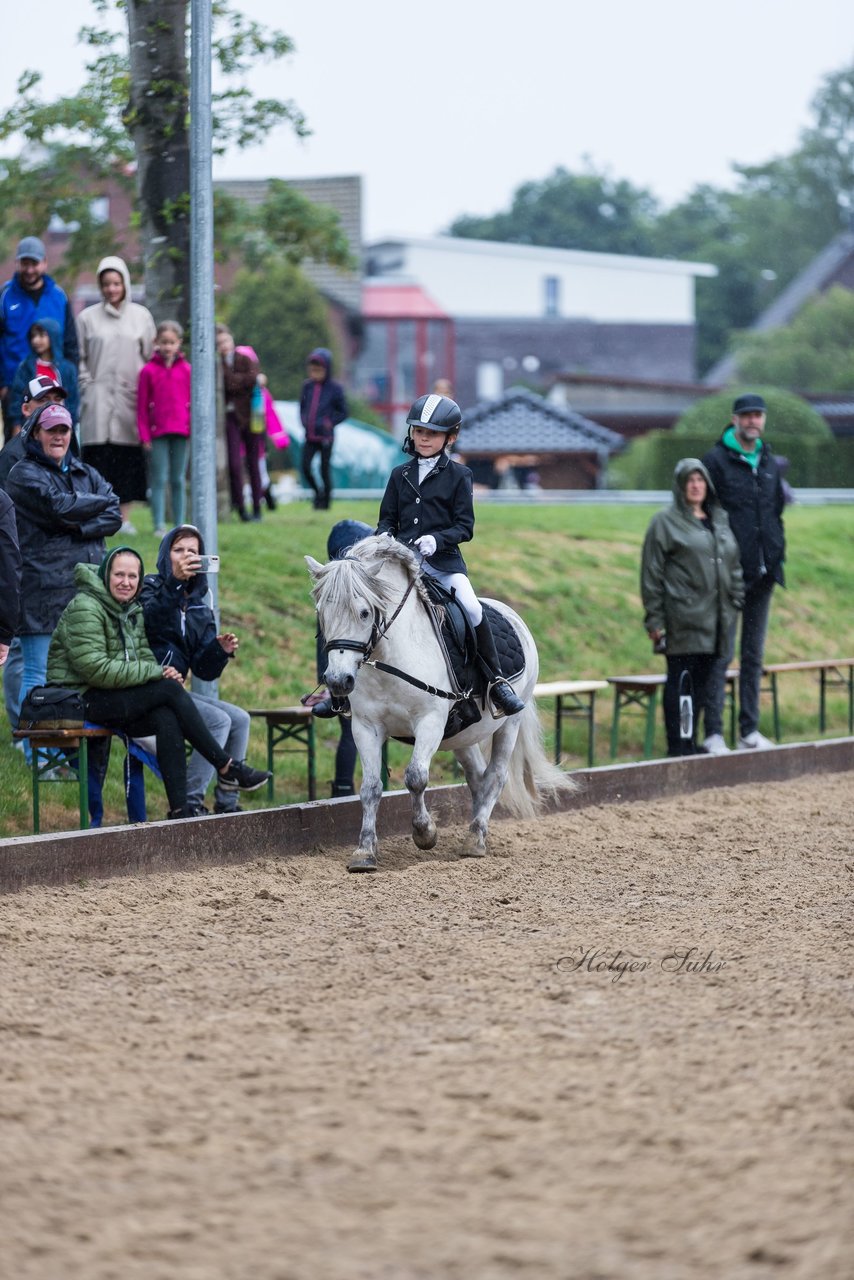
[570, 571]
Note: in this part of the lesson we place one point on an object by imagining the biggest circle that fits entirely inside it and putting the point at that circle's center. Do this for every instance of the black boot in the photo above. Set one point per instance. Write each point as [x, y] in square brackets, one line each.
[270, 498]
[342, 789]
[242, 515]
[501, 693]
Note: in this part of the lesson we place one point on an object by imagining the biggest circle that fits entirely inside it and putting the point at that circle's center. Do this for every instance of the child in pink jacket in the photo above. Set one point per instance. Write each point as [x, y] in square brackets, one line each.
[163, 420]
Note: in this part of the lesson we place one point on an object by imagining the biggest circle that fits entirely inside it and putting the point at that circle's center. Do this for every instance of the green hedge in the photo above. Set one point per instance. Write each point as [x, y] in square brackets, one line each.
[814, 463]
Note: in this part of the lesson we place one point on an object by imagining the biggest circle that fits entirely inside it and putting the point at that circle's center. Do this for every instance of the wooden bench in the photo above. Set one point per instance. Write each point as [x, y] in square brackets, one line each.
[580, 704]
[290, 725]
[832, 673]
[68, 741]
[642, 692]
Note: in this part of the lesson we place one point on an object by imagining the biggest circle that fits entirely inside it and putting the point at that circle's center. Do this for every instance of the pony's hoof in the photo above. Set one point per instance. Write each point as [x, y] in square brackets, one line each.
[427, 838]
[362, 862]
[473, 847]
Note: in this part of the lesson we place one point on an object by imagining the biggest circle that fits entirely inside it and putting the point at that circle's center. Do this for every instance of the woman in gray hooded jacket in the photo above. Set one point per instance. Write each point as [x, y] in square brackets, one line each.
[691, 587]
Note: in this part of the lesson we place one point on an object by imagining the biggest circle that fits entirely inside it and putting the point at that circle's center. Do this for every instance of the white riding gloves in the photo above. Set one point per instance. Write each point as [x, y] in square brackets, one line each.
[426, 544]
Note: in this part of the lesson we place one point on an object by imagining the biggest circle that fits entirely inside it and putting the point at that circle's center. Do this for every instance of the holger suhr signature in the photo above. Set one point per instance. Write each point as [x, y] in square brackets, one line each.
[616, 964]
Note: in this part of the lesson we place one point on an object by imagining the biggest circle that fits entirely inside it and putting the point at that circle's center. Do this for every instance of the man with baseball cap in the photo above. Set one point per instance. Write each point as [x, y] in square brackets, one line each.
[749, 486]
[29, 296]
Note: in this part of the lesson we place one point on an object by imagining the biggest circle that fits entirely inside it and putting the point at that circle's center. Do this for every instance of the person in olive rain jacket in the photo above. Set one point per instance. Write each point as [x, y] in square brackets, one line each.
[692, 589]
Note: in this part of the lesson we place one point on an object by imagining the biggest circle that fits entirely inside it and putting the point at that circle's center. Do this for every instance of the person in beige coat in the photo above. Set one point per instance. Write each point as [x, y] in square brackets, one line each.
[116, 339]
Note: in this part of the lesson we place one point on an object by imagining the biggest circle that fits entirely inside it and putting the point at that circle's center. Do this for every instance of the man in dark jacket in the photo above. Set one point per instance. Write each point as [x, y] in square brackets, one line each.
[322, 406]
[181, 629]
[29, 296]
[748, 484]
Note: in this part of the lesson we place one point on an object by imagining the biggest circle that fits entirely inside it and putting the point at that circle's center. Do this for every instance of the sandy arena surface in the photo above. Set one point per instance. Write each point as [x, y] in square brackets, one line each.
[282, 1072]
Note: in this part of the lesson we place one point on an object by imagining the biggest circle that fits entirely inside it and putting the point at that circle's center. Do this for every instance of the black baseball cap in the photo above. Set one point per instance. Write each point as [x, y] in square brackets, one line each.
[749, 403]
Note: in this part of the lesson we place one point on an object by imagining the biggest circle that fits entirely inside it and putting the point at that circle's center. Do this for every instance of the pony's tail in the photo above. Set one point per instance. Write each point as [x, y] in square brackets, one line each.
[532, 779]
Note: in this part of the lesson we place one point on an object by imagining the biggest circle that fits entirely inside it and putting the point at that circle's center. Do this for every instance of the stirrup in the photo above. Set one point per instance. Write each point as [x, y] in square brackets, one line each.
[504, 697]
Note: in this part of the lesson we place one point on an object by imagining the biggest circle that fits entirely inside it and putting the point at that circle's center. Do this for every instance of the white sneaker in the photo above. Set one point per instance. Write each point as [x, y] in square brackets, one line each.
[714, 745]
[127, 527]
[754, 742]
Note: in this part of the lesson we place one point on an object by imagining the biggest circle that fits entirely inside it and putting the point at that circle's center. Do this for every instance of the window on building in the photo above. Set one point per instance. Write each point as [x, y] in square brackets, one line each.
[490, 380]
[551, 296]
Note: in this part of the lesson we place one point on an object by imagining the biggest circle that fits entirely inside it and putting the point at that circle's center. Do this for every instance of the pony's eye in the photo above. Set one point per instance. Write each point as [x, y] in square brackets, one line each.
[364, 614]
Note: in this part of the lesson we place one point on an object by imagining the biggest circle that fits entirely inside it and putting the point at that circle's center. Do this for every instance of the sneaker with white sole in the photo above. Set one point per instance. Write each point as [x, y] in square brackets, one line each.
[240, 775]
[754, 742]
[714, 745]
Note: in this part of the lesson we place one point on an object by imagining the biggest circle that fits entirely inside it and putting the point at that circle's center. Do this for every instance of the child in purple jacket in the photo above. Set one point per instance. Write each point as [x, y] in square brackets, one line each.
[163, 420]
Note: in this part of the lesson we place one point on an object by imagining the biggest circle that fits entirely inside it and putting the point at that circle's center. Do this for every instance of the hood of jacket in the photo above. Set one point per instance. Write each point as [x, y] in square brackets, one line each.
[683, 469]
[321, 355]
[104, 568]
[112, 263]
[54, 332]
[33, 448]
[87, 578]
[195, 587]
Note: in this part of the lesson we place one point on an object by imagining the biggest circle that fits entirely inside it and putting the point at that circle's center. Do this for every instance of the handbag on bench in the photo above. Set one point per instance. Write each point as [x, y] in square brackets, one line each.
[49, 706]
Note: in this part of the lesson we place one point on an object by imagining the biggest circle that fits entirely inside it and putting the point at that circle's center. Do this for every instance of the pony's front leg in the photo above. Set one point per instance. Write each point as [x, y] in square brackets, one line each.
[428, 734]
[369, 744]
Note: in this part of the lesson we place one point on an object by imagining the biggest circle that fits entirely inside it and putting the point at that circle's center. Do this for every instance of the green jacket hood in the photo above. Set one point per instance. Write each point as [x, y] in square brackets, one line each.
[683, 469]
[87, 578]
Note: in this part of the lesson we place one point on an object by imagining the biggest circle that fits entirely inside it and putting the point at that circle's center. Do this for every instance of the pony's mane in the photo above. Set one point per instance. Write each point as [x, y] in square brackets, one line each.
[359, 574]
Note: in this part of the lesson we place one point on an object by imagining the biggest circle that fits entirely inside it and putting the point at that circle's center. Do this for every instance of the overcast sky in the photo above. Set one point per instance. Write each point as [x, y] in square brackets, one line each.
[446, 107]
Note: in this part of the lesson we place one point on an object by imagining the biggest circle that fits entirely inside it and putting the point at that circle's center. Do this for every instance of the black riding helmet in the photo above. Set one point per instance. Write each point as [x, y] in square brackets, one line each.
[439, 413]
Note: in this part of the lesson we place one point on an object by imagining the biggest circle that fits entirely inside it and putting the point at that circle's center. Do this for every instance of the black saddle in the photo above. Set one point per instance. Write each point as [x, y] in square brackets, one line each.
[456, 636]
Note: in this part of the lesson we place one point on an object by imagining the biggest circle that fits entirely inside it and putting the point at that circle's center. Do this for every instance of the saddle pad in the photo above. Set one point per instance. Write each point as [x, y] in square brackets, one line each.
[508, 646]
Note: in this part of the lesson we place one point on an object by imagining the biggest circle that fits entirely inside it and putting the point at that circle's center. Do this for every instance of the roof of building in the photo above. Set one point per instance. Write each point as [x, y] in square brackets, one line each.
[816, 276]
[544, 253]
[523, 422]
[399, 302]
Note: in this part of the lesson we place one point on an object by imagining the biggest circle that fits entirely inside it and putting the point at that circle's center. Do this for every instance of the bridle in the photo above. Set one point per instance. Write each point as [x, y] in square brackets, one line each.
[379, 630]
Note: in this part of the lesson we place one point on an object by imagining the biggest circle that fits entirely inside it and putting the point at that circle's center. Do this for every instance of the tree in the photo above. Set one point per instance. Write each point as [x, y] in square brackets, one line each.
[282, 315]
[589, 210]
[789, 416]
[814, 353]
[131, 113]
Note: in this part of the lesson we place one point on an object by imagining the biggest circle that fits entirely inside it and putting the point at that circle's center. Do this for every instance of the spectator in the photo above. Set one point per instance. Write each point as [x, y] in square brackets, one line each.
[163, 419]
[10, 576]
[99, 647]
[40, 392]
[692, 588]
[116, 339]
[64, 510]
[44, 361]
[182, 632]
[749, 486]
[29, 296]
[266, 409]
[342, 536]
[239, 376]
[322, 406]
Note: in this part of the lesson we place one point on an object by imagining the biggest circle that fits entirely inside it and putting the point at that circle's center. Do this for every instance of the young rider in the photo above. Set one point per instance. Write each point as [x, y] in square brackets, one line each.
[428, 506]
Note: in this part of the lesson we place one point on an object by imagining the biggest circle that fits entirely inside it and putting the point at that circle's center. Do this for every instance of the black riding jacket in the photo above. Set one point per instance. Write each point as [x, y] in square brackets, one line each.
[443, 505]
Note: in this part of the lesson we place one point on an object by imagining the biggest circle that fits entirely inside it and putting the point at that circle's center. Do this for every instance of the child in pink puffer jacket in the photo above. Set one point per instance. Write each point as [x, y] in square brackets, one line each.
[163, 420]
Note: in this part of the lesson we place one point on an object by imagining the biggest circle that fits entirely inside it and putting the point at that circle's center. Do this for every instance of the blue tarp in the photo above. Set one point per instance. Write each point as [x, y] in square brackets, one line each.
[363, 456]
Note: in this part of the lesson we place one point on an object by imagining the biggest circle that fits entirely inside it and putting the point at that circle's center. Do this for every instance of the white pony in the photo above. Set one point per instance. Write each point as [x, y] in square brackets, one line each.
[373, 612]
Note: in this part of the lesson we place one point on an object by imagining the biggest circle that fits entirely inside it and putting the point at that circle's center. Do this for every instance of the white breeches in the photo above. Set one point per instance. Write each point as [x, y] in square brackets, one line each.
[464, 591]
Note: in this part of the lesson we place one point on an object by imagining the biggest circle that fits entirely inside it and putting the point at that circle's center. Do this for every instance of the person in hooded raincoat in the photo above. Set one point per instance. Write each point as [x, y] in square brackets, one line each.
[116, 339]
[692, 588]
[322, 406]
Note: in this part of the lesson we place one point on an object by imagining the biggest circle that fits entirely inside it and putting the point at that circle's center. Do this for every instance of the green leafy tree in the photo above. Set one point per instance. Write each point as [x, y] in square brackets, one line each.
[282, 315]
[589, 210]
[814, 353]
[131, 114]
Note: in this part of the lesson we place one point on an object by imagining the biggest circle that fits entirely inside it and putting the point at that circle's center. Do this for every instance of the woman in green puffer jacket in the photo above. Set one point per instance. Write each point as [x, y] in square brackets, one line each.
[692, 587]
[99, 647]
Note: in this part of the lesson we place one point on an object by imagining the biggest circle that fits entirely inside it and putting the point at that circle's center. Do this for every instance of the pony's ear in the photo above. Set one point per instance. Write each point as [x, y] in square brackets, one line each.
[314, 566]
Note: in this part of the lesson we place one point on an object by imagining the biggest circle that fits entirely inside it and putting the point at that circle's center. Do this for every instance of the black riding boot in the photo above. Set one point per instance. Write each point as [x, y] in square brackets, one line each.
[501, 693]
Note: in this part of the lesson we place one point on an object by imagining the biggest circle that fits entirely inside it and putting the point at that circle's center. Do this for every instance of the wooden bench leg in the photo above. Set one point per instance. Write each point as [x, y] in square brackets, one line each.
[615, 724]
[83, 782]
[36, 813]
[270, 763]
[312, 768]
[776, 705]
[649, 737]
[822, 700]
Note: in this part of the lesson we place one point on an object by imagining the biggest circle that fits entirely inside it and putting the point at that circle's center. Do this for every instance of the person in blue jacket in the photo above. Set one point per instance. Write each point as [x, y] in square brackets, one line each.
[30, 295]
[322, 406]
[45, 360]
